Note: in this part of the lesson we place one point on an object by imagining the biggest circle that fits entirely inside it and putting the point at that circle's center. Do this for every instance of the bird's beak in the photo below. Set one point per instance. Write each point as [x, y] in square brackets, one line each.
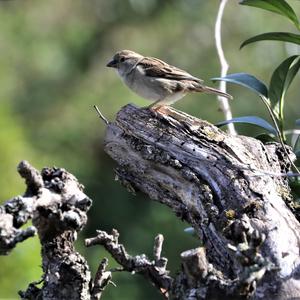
[112, 64]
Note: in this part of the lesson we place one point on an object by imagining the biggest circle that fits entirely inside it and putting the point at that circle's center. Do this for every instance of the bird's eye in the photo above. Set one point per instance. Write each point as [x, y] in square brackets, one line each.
[122, 59]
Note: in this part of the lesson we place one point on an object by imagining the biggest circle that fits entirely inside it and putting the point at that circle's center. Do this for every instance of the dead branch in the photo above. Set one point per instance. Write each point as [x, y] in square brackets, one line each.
[154, 271]
[224, 186]
[55, 202]
[102, 279]
[221, 185]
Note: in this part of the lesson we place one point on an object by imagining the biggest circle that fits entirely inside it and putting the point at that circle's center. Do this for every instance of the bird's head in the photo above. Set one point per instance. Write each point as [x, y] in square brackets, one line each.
[124, 61]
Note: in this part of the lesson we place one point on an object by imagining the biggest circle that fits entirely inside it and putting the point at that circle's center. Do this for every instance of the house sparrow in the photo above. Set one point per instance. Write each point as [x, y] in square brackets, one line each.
[155, 80]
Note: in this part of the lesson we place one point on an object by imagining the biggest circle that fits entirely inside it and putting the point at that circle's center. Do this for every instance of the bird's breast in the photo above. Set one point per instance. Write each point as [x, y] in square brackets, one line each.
[144, 86]
[154, 88]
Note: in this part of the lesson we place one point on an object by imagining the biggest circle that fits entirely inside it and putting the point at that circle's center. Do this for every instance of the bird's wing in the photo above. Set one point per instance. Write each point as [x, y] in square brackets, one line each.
[154, 67]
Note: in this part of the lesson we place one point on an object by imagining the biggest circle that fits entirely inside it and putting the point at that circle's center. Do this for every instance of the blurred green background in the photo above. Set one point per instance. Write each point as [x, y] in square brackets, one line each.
[52, 72]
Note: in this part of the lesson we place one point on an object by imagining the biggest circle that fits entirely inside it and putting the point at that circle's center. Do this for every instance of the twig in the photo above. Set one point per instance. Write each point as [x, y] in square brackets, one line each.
[224, 104]
[101, 116]
[158, 242]
[33, 178]
[155, 271]
[102, 279]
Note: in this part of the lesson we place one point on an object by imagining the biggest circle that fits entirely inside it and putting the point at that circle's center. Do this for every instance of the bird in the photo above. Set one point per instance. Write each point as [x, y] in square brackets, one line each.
[156, 80]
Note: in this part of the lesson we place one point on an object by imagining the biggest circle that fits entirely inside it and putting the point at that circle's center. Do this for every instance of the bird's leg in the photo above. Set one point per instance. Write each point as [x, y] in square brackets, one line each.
[159, 107]
[165, 110]
[168, 111]
[155, 105]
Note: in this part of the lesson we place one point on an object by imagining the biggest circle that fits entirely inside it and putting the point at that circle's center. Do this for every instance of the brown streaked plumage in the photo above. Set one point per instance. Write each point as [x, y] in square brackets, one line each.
[156, 80]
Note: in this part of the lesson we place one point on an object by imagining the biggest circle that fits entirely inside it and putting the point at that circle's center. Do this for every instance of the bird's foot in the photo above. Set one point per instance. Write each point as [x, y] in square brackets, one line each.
[155, 106]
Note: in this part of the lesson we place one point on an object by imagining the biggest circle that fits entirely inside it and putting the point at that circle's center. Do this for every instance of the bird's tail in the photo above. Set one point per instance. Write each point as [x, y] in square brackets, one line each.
[210, 90]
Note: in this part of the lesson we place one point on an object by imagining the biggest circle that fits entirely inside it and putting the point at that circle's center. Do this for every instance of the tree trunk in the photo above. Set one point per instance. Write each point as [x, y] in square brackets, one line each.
[230, 189]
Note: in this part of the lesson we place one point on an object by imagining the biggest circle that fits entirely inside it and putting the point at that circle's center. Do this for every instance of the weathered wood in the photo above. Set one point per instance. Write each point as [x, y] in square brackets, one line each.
[228, 188]
[55, 202]
[154, 271]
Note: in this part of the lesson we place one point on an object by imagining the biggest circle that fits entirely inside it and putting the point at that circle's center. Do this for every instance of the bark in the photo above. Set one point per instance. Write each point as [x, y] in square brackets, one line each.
[154, 271]
[228, 188]
[55, 202]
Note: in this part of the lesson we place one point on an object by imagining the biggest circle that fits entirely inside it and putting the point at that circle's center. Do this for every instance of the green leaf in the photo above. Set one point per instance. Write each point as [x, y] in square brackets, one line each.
[280, 82]
[265, 138]
[246, 80]
[189, 230]
[274, 36]
[295, 141]
[250, 120]
[280, 7]
[295, 133]
[295, 186]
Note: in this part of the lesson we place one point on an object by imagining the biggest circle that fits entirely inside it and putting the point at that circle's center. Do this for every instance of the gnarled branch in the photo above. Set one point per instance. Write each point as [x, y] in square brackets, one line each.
[55, 202]
[225, 187]
[155, 271]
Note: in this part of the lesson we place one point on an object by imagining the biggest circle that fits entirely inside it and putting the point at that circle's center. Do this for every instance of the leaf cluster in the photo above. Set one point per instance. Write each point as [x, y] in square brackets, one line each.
[273, 95]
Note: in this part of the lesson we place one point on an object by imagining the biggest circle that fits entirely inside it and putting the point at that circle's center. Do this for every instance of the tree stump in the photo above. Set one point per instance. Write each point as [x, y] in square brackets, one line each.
[230, 189]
